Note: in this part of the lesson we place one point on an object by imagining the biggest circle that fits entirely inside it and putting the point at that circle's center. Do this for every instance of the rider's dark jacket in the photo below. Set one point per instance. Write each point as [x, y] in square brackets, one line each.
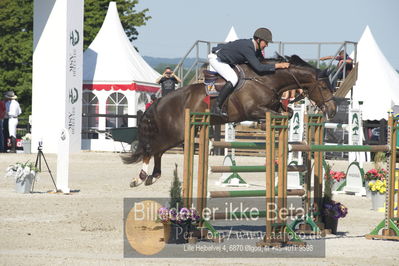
[241, 52]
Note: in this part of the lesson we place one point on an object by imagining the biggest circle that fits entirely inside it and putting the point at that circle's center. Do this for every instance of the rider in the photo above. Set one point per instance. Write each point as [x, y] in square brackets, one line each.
[240, 52]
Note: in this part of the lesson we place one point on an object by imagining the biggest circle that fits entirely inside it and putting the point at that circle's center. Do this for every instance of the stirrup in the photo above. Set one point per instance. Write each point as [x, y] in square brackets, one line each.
[217, 111]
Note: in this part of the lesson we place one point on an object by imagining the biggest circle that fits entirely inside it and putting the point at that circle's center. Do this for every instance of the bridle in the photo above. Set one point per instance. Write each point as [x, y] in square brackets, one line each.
[306, 93]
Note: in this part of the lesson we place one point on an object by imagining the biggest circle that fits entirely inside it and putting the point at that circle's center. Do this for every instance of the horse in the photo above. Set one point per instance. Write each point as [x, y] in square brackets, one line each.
[162, 125]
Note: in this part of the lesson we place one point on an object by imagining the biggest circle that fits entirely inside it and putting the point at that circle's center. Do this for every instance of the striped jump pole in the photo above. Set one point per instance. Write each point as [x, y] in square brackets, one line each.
[253, 169]
[252, 193]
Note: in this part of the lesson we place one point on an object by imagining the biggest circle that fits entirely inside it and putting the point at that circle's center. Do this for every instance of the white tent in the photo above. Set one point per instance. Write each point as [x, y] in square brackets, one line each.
[111, 57]
[232, 35]
[378, 82]
[116, 80]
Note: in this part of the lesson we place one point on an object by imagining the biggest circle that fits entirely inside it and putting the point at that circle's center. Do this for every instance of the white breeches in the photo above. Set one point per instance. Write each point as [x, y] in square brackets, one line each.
[223, 69]
[12, 127]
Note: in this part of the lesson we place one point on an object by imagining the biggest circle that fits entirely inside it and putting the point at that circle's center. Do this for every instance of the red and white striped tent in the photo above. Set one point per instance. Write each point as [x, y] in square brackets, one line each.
[116, 80]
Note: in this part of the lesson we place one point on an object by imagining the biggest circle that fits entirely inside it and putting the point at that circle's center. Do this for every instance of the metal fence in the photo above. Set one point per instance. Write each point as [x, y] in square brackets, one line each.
[309, 51]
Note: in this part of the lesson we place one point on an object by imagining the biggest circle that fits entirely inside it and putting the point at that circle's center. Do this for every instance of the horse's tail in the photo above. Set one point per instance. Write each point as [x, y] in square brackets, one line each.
[147, 130]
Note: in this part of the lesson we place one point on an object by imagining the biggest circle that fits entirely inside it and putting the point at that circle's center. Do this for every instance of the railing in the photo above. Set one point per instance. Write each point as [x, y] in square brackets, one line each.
[92, 132]
[201, 49]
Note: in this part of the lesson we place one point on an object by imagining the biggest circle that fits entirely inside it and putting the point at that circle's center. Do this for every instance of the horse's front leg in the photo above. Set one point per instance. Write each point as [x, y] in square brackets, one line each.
[156, 173]
[143, 176]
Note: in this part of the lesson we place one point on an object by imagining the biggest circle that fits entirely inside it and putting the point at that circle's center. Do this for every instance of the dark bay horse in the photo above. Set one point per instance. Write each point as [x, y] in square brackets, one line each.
[162, 125]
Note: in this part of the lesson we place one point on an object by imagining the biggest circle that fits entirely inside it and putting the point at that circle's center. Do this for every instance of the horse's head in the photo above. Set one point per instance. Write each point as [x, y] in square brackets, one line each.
[318, 87]
[321, 94]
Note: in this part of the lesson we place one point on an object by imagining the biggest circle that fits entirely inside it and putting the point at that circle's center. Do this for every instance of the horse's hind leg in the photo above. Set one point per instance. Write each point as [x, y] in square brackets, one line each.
[156, 173]
[143, 176]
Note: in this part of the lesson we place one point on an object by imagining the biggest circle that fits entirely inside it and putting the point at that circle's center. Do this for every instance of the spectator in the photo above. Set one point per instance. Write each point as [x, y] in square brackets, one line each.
[13, 110]
[153, 98]
[2, 116]
[289, 96]
[168, 81]
[341, 58]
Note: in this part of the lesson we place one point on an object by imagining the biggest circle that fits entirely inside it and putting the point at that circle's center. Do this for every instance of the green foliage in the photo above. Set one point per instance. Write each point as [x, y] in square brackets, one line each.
[323, 65]
[95, 11]
[16, 42]
[160, 68]
[175, 191]
[16, 31]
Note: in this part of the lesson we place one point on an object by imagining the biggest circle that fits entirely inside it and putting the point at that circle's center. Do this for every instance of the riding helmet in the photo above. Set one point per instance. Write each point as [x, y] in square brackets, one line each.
[263, 34]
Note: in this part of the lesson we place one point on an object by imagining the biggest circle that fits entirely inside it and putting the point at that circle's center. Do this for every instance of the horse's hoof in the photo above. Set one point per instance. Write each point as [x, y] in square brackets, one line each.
[135, 183]
[151, 179]
[148, 181]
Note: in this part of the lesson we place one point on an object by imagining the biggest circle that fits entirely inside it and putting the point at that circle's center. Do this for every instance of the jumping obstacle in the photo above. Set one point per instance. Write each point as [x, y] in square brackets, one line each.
[354, 183]
[387, 229]
[274, 226]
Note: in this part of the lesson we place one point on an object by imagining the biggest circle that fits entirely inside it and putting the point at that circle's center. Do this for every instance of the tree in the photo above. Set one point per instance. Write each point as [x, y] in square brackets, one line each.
[16, 31]
[16, 41]
[95, 11]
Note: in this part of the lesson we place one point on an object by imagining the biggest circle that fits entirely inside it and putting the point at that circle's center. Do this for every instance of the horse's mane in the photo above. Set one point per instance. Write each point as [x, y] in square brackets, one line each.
[297, 61]
[293, 59]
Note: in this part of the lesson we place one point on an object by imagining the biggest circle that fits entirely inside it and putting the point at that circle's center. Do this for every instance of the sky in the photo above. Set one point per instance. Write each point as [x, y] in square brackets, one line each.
[177, 24]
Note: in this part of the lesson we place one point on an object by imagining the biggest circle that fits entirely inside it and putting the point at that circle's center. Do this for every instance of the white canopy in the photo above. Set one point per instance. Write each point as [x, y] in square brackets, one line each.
[232, 35]
[111, 59]
[378, 82]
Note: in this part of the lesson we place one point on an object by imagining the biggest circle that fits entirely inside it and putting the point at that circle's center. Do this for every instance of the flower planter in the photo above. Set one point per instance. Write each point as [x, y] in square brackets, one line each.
[368, 190]
[377, 200]
[24, 185]
[176, 233]
[26, 145]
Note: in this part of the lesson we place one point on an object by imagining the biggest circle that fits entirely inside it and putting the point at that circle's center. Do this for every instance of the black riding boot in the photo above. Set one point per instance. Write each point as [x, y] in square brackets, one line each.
[217, 107]
[13, 145]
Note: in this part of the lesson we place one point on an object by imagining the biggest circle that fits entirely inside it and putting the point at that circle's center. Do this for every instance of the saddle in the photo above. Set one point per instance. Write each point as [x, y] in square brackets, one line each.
[214, 82]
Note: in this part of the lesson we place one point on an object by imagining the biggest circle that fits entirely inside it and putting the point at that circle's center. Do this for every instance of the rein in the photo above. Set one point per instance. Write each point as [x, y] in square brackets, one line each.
[304, 92]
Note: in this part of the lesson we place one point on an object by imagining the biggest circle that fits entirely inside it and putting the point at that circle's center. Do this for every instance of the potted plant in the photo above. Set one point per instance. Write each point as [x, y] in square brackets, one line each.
[24, 174]
[378, 190]
[372, 176]
[331, 210]
[177, 220]
[338, 180]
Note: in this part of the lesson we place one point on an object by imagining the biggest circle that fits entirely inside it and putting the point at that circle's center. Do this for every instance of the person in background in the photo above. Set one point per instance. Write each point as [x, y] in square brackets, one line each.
[341, 58]
[168, 81]
[13, 110]
[2, 115]
[153, 98]
[289, 96]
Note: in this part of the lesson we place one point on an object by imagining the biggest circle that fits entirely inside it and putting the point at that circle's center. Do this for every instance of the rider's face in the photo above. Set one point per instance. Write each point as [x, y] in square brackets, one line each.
[263, 44]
